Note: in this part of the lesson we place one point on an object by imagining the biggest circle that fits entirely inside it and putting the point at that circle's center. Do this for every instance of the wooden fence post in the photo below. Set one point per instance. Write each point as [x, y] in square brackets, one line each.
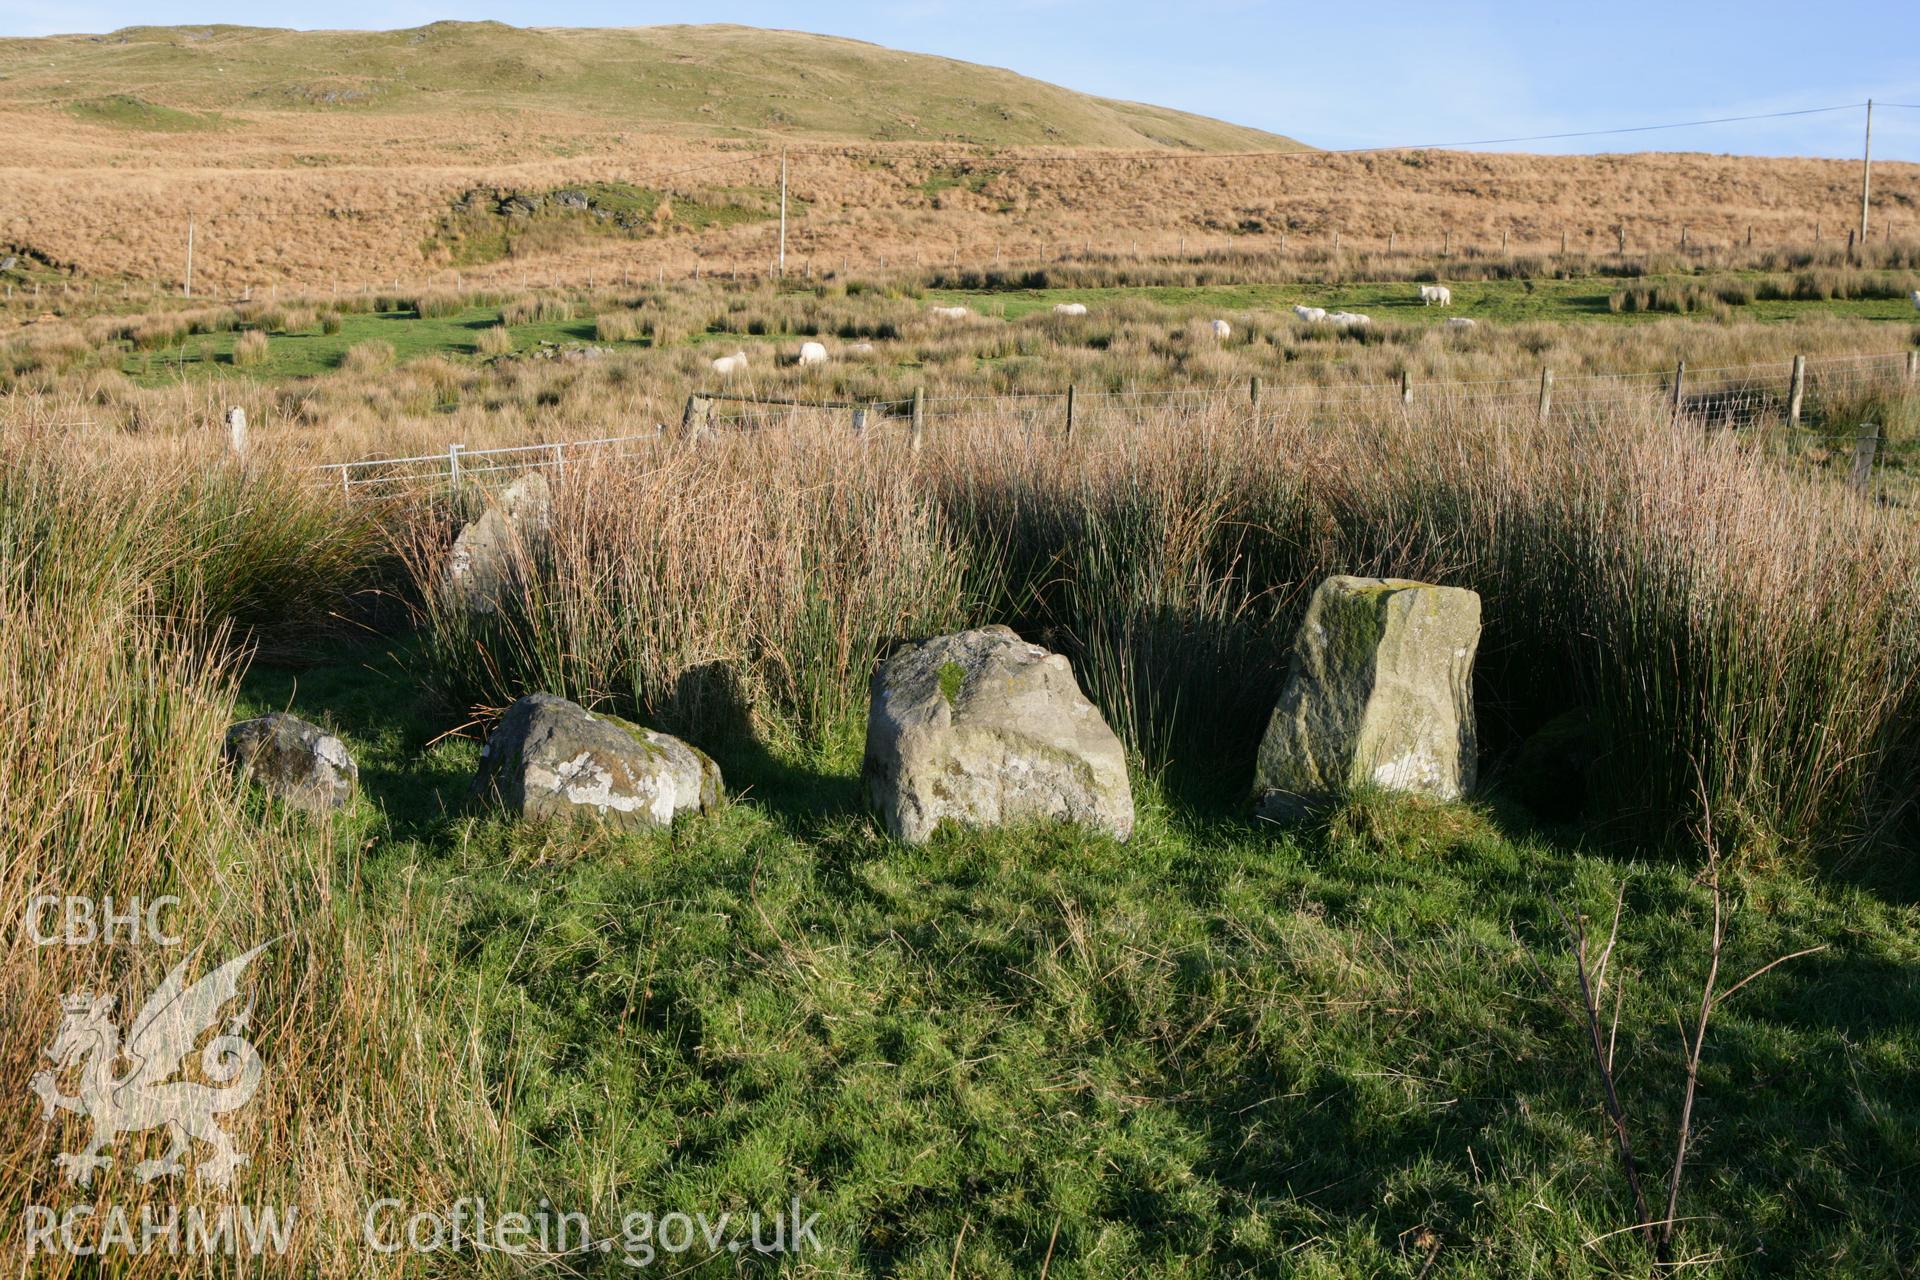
[1253, 391]
[1448, 249]
[453, 464]
[1072, 394]
[1679, 387]
[696, 417]
[919, 435]
[859, 421]
[1406, 386]
[1620, 237]
[1546, 393]
[1796, 391]
[1913, 367]
[1865, 445]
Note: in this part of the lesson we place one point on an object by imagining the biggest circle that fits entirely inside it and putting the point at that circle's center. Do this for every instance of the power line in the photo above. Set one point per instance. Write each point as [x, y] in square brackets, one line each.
[1597, 133]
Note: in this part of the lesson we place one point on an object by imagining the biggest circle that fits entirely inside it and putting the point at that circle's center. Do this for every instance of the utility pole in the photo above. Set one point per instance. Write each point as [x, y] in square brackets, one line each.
[189, 281]
[783, 214]
[1866, 174]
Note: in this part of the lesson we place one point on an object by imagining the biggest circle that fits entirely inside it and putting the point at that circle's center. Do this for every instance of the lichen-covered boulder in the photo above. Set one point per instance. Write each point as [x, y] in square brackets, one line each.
[488, 555]
[984, 729]
[551, 758]
[1380, 693]
[301, 763]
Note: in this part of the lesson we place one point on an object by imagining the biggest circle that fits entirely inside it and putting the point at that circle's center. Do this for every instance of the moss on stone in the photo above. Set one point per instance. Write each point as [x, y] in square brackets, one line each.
[953, 678]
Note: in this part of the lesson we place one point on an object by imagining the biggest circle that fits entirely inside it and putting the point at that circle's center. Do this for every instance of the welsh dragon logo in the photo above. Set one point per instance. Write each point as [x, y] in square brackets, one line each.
[146, 1095]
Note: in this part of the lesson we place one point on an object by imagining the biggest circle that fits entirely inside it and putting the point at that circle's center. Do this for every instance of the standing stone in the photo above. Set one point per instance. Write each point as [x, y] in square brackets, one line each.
[551, 758]
[301, 763]
[1380, 694]
[237, 432]
[486, 558]
[985, 729]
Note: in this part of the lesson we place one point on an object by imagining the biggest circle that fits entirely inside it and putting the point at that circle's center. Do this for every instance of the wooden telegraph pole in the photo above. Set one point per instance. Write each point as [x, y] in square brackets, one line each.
[188, 287]
[1866, 173]
[783, 214]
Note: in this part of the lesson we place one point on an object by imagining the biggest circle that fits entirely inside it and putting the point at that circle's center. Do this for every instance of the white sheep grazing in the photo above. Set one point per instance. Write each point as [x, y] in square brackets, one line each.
[860, 349]
[1069, 308]
[1312, 315]
[812, 353]
[1460, 322]
[727, 366]
[1432, 293]
[950, 313]
[1221, 330]
[1916, 299]
[1349, 319]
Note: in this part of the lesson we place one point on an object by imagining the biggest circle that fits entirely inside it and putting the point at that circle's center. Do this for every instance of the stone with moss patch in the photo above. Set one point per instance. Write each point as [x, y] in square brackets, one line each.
[1380, 694]
[551, 758]
[983, 729]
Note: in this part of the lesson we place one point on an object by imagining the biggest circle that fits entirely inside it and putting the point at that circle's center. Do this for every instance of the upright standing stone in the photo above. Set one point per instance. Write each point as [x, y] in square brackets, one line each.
[1380, 693]
[985, 729]
[487, 555]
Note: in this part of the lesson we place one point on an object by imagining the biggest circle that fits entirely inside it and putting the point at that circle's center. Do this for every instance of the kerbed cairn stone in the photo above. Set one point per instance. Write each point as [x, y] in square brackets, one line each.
[301, 763]
[983, 729]
[550, 758]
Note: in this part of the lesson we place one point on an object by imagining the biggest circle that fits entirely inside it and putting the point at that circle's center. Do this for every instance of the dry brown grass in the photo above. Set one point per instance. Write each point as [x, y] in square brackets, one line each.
[88, 198]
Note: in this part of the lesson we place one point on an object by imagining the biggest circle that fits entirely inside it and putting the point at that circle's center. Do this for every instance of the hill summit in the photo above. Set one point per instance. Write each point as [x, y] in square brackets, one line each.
[715, 81]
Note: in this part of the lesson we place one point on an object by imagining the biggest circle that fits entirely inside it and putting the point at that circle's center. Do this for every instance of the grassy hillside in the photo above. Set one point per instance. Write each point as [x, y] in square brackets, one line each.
[727, 80]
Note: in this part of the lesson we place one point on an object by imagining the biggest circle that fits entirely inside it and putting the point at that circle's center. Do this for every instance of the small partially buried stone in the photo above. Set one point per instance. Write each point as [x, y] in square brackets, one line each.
[1380, 693]
[301, 763]
[551, 758]
[983, 729]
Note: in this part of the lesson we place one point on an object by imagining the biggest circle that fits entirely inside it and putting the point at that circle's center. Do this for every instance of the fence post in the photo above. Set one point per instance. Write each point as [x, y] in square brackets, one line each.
[1865, 445]
[1448, 250]
[859, 421]
[1679, 387]
[919, 436]
[1253, 391]
[1796, 392]
[1072, 395]
[1913, 367]
[453, 464]
[1406, 386]
[559, 459]
[1546, 392]
[346, 484]
[237, 433]
[696, 417]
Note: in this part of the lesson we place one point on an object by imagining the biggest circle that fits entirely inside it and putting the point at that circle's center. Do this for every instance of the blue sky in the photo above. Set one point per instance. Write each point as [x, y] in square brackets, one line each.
[1333, 74]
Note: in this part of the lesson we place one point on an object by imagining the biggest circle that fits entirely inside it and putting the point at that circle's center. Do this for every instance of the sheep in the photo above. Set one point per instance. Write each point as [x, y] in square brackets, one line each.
[1312, 315]
[1069, 308]
[860, 349]
[1349, 319]
[1221, 329]
[1432, 293]
[727, 366]
[950, 313]
[1460, 322]
[812, 353]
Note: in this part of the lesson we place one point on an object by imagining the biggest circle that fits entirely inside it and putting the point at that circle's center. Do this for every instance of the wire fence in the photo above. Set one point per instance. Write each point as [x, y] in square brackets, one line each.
[1812, 403]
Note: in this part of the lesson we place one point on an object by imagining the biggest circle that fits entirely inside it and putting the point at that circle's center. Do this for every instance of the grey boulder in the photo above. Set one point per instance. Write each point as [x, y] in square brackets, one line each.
[488, 556]
[1380, 693]
[983, 729]
[299, 762]
[551, 758]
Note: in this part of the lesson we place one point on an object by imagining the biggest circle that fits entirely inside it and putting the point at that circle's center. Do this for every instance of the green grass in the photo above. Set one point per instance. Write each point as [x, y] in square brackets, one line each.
[480, 229]
[130, 112]
[311, 352]
[1495, 301]
[1217, 1050]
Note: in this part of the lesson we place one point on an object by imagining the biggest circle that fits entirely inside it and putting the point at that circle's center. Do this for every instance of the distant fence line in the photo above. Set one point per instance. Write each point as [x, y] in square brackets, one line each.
[1727, 396]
